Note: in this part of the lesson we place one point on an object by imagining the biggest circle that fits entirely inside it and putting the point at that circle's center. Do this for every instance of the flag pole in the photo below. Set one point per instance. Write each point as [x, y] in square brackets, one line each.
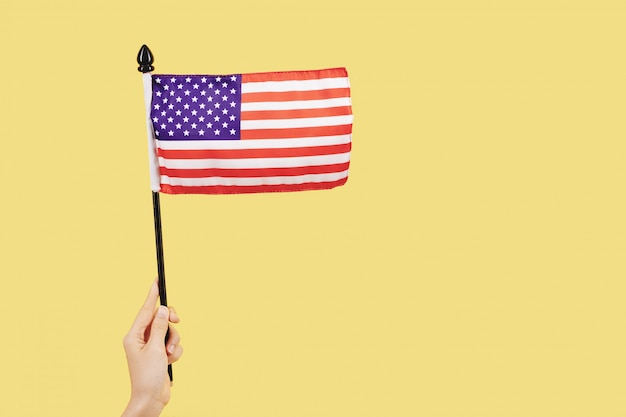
[145, 60]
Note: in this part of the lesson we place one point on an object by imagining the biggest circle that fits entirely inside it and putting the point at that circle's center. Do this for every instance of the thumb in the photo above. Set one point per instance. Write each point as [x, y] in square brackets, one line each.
[159, 327]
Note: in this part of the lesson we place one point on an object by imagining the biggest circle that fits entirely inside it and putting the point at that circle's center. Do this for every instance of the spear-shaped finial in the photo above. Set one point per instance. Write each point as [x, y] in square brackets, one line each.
[145, 59]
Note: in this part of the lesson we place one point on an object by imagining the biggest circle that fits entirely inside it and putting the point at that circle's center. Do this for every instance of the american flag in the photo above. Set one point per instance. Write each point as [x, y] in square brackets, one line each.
[249, 133]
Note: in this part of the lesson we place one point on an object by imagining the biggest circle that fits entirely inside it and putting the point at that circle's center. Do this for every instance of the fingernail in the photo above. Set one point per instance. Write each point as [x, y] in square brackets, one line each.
[162, 312]
[171, 349]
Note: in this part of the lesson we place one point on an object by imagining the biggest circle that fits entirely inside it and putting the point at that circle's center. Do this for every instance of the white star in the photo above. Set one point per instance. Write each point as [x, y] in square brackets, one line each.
[193, 125]
[203, 93]
[210, 85]
[178, 112]
[170, 119]
[186, 106]
[166, 87]
[209, 125]
[194, 112]
[163, 126]
[217, 105]
[217, 131]
[201, 132]
[180, 86]
[171, 133]
[157, 107]
[158, 80]
[195, 86]
[209, 112]
[225, 111]
[202, 106]
[233, 91]
[218, 79]
[158, 94]
[224, 98]
[185, 119]
[187, 92]
[233, 78]
[155, 119]
[163, 113]
[210, 99]
[224, 85]
[233, 131]
[179, 99]
[171, 107]
[201, 119]
[165, 100]
[232, 118]
[188, 79]
[194, 99]
[186, 133]
[172, 93]
[216, 118]
[217, 92]
[178, 125]
[233, 104]
[173, 80]
[224, 125]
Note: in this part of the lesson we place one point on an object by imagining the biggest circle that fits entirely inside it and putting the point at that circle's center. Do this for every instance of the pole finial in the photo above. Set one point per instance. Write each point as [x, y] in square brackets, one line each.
[145, 59]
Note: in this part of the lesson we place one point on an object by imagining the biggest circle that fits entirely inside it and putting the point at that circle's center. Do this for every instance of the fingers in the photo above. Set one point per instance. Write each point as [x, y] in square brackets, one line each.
[144, 317]
[159, 327]
[174, 349]
[177, 353]
[151, 326]
[173, 340]
[173, 315]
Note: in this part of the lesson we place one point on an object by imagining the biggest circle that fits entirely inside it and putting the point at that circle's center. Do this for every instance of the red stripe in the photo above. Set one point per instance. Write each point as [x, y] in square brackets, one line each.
[294, 75]
[225, 189]
[254, 153]
[253, 172]
[300, 132]
[295, 95]
[295, 114]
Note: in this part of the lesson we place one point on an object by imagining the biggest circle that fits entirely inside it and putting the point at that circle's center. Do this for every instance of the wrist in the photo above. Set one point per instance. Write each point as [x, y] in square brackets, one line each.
[143, 407]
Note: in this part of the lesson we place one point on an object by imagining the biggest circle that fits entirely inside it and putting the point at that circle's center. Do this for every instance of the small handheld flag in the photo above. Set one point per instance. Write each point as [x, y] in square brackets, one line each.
[244, 133]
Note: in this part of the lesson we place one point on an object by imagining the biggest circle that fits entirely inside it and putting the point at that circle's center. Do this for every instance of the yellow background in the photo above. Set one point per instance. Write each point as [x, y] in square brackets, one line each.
[472, 266]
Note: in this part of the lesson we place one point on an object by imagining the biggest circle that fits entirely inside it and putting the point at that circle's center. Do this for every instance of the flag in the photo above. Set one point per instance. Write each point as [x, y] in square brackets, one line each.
[249, 133]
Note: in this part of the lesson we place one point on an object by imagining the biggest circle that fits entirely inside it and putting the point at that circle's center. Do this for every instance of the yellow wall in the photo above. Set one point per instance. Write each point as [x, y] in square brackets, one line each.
[472, 266]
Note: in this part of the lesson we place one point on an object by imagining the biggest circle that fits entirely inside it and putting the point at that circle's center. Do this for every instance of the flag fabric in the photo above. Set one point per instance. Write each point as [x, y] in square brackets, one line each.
[249, 133]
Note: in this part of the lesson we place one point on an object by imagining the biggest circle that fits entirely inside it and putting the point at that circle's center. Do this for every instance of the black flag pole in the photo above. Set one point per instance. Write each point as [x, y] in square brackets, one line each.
[145, 60]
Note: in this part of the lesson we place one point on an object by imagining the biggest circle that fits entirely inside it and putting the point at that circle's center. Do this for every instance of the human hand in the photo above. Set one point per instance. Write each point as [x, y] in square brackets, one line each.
[148, 357]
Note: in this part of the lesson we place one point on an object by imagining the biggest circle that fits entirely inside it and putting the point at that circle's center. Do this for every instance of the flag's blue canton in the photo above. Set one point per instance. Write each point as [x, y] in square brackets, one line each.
[196, 107]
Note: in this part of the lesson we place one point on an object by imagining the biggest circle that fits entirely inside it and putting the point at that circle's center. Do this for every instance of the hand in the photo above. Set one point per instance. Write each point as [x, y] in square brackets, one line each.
[148, 357]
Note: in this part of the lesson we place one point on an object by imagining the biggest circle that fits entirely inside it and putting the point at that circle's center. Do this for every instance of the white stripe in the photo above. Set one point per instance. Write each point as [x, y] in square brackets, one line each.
[296, 105]
[297, 85]
[295, 123]
[291, 162]
[253, 144]
[299, 179]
